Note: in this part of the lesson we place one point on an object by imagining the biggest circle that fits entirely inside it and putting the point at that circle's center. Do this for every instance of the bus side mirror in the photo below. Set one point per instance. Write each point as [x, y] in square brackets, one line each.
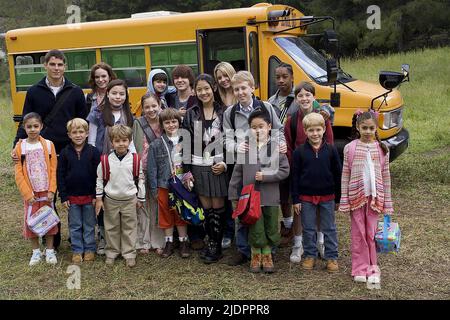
[405, 69]
[390, 79]
[332, 73]
[331, 42]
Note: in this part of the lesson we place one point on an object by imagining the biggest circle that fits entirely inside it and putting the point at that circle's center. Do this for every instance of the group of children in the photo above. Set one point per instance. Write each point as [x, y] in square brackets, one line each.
[118, 167]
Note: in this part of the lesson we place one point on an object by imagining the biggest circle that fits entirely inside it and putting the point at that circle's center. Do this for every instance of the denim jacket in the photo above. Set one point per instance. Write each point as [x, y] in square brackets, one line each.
[158, 164]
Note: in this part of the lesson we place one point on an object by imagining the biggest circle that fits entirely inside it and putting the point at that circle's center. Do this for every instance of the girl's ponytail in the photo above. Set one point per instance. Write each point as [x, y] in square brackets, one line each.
[354, 133]
[382, 145]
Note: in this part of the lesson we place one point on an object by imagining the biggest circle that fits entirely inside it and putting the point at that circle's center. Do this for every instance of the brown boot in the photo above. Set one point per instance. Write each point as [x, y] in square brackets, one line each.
[287, 236]
[267, 263]
[77, 258]
[332, 266]
[185, 251]
[89, 256]
[198, 244]
[308, 263]
[237, 259]
[256, 263]
[168, 249]
[283, 229]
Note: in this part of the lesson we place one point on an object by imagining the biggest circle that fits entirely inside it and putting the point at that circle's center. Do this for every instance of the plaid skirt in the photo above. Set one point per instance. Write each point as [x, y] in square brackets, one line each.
[208, 184]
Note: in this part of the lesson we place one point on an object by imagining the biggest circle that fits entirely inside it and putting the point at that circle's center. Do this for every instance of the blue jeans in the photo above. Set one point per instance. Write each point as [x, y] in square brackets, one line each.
[327, 226]
[242, 240]
[82, 222]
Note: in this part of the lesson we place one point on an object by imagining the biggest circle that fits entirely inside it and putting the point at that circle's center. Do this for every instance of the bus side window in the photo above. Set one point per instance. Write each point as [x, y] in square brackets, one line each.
[167, 57]
[128, 64]
[29, 70]
[274, 62]
[224, 45]
[78, 67]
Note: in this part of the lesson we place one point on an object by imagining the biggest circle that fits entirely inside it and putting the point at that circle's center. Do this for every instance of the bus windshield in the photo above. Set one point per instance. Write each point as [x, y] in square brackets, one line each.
[311, 61]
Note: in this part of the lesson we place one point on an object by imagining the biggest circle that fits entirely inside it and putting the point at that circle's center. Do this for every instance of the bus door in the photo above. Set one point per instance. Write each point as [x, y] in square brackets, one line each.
[238, 46]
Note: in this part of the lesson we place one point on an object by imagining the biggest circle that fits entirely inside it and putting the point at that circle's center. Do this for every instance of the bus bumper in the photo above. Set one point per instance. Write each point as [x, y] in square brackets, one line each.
[397, 144]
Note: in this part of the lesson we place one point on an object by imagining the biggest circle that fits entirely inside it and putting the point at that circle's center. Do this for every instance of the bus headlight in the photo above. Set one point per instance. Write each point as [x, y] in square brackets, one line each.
[393, 119]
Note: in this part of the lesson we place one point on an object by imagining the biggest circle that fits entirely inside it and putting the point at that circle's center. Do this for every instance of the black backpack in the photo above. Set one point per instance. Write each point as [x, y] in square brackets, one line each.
[287, 105]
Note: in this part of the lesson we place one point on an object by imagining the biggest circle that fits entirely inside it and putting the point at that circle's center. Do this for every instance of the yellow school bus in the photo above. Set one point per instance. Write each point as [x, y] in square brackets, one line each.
[255, 39]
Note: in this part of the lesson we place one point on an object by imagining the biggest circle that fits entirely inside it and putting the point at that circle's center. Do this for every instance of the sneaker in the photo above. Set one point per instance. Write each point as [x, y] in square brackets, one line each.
[77, 258]
[360, 279]
[50, 256]
[237, 259]
[144, 251]
[374, 278]
[374, 282]
[168, 249]
[89, 256]
[267, 263]
[308, 263]
[35, 258]
[226, 243]
[296, 254]
[332, 266]
[256, 263]
[130, 262]
[185, 252]
[109, 261]
[321, 249]
[101, 247]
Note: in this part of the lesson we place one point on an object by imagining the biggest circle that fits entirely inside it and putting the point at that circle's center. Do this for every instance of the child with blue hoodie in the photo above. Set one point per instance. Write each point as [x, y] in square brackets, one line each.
[157, 84]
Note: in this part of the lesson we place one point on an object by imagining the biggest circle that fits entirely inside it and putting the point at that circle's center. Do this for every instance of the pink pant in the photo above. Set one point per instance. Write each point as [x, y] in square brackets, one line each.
[363, 229]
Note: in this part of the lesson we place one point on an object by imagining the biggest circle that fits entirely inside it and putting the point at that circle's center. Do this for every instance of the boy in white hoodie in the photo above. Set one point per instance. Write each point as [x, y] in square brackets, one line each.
[119, 197]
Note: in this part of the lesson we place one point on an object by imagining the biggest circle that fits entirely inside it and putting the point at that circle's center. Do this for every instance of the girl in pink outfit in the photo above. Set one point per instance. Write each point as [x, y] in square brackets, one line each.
[35, 176]
[366, 193]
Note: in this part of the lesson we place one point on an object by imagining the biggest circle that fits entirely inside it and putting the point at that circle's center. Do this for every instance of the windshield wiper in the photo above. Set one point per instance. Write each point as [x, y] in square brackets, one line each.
[349, 76]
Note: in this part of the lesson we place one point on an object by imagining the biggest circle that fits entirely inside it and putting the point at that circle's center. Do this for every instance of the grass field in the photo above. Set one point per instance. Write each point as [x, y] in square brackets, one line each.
[421, 192]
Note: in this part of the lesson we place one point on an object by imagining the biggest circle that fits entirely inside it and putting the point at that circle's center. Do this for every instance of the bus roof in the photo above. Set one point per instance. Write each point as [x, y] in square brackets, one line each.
[132, 31]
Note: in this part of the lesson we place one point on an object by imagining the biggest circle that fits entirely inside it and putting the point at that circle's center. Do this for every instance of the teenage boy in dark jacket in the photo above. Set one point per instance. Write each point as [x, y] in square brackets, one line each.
[316, 184]
[43, 96]
[77, 167]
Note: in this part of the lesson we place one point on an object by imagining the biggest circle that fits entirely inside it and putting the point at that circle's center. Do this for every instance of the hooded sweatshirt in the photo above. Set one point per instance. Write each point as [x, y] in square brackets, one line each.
[150, 88]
